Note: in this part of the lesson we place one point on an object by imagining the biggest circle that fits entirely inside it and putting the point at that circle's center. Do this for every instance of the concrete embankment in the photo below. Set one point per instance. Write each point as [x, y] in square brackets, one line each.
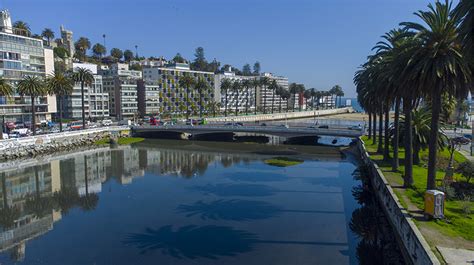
[413, 243]
[46, 144]
[282, 116]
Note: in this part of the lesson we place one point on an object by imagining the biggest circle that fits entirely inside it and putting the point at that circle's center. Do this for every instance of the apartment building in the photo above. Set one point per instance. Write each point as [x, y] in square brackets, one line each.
[20, 56]
[121, 85]
[175, 99]
[242, 100]
[96, 100]
[267, 98]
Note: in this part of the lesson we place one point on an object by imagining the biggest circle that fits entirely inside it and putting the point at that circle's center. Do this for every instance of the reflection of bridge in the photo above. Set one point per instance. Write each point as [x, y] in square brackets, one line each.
[268, 130]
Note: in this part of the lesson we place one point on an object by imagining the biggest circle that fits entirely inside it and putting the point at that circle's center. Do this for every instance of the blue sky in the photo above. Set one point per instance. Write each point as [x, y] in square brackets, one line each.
[314, 42]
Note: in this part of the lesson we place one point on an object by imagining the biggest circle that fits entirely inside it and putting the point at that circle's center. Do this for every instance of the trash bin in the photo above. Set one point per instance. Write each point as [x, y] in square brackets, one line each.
[434, 203]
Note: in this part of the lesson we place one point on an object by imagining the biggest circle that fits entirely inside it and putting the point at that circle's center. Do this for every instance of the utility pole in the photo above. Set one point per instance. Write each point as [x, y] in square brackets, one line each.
[105, 47]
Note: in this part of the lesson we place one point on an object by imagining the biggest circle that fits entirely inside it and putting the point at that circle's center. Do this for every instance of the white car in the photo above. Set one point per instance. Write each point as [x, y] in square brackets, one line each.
[106, 122]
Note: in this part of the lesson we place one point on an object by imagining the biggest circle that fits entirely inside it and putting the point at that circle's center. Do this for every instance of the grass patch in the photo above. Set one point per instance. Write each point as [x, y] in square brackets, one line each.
[458, 224]
[121, 141]
[283, 161]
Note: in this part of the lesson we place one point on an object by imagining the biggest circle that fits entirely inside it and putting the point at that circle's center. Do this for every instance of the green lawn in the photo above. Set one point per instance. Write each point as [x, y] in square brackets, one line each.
[121, 141]
[458, 223]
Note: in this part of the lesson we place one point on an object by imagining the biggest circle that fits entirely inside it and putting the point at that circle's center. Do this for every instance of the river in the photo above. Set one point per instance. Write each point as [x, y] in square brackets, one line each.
[183, 202]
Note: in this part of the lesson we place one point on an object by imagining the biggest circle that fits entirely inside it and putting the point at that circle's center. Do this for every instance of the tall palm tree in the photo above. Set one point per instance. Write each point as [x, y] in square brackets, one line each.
[300, 91]
[226, 85]
[48, 34]
[273, 87]
[465, 10]
[256, 85]
[236, 87]
[264, 83]
[6, 90]
[86, 78]
[82, 45]
[307, 95]
[313, 93]
[294, 90]
[60, 85]
[201, 87]
[438, 67]
[187, 82]
[246, 83]
[33, 87]
[279, 93]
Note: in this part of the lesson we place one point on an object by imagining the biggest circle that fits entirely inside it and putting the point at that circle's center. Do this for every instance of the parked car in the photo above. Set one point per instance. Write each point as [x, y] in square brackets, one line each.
[355, 127]
[125, 122]
[263, 124]
[468, 136]
[284, 126]
[76, 125]
[323, 127]
[106, 122]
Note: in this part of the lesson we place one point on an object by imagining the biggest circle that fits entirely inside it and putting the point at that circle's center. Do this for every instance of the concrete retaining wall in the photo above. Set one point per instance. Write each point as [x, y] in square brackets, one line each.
[414, 244]
[282, 116]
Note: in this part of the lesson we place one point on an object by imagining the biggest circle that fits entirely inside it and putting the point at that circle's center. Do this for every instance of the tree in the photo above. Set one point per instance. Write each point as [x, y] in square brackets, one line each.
[226, 85]
[314, 93]
[33, 87]
[82, 45]
[200, 63]
[247, 84]
[438, 66]
[127, 55]
[60, 85]
[256, 84]
[187, 82]
[136, 67]
[264, 82]
[98, 50]
[307, 95]
[178, 58]
[116, 53]
[61, 52]
[246, 70]
[48, 34]
[301, 89]
[294, 90]
[466, 169]
[273, 86]
[86, 78]
[6, 90]
[201, 86]
[465, 10]
[236, 87]
[256, 68]
[21, 28]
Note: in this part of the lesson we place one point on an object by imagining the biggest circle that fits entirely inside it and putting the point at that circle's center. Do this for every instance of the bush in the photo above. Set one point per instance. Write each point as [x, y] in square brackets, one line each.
[466, 169]
[466, 206]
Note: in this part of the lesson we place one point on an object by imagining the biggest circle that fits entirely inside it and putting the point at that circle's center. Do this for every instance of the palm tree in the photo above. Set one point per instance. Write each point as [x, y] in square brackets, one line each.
[21, 28]
[438, 67]
[98, 50]
[313, 93]
[34, 87]
[6, 90]
[294, 90]
[246, 83]
[300, 91]
[286, 95]
[264, 82]
[465, 10]
[86, 78]
[256, 84]
[48, 34]
[279, 93]
[201, 86]
[226, 85]
[236, 87]
[60, 85]
[273, 87]
[187, 82]
[82, 45]
[307, 95]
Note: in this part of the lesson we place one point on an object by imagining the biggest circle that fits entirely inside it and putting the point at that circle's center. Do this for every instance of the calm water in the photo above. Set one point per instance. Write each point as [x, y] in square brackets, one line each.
[176, 202]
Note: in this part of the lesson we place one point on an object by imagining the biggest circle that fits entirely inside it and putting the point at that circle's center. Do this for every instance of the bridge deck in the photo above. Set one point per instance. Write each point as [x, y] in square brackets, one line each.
[272, 130]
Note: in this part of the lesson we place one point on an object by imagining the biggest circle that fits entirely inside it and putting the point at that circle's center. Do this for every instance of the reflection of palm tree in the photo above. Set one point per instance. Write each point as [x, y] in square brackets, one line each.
[8, 216]
[65, 199]
[208, 241]
[89, 201]
[39, 206]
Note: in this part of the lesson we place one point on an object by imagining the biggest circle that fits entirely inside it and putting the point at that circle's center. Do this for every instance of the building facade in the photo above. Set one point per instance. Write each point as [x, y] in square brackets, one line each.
[242, 100]
[22, 56]
[121, 85]
[267, 98]
[96, 101]
[175, 99]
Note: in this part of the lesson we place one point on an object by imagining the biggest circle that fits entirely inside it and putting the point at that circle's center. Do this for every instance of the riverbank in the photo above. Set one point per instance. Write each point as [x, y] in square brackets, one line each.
[456, 231]
[33, 146]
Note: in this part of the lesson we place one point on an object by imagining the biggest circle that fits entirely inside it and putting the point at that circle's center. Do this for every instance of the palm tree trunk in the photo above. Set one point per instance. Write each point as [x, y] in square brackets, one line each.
[225, 106]
[86, 176]
[255, 100]
[370, 125]
[433, 141]
[237, 104]
[386, 148]
[200, 104]
[287, 105]
[279, 106]
[408, 178]
[247, 102]
[264, 100]
[294, 102]
[380, 145]
[273, 99]
[396, 136]
[187, 104]
[82, 104]
[33, 115]
[374, 128]
[60, 113]
[416, 153]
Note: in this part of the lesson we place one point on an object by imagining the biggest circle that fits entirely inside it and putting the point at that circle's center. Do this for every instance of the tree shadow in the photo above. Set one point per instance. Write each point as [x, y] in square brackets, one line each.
[208, 241]
[257, 177]
[251, 190]
[239, 210]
